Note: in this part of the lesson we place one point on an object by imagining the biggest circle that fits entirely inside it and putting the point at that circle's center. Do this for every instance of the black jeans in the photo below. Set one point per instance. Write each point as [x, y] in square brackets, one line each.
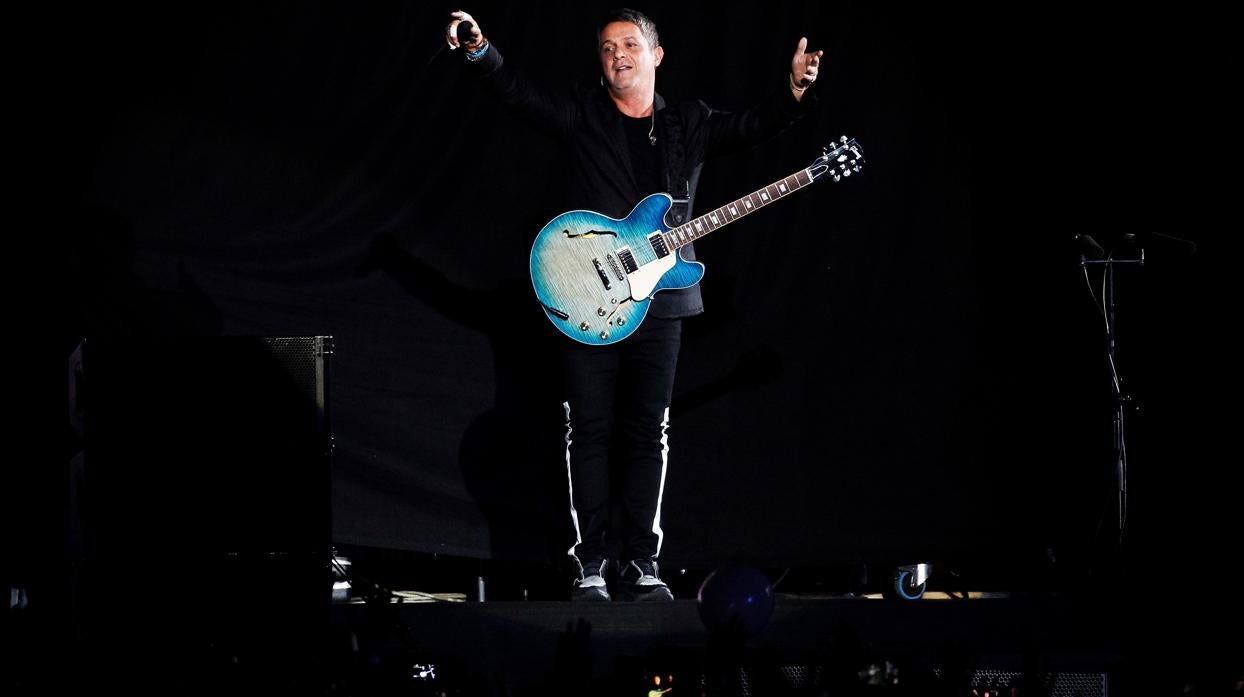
[618, 397]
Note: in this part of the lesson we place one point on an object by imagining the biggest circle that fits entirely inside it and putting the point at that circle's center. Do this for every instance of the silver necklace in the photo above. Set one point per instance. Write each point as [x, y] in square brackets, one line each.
[651, 138]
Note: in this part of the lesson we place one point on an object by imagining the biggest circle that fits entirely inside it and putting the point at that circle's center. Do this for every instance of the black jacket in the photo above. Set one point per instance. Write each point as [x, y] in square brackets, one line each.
[590, 127]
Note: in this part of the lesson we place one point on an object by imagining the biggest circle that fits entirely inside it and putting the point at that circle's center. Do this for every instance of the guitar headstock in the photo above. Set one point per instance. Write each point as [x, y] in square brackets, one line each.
[842, 160]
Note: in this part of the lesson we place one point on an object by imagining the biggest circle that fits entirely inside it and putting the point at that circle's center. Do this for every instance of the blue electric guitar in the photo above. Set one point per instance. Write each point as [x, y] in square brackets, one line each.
[595, 275]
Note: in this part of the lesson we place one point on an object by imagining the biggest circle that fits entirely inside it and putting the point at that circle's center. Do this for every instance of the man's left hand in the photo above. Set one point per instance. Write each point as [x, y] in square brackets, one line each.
[804, 66]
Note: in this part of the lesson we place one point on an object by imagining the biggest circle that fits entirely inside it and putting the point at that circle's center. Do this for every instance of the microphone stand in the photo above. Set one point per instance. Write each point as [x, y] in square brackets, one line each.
[1123, 401]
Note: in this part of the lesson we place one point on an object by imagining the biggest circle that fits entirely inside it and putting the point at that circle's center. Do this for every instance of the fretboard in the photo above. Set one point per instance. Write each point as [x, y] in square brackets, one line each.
[696, 228]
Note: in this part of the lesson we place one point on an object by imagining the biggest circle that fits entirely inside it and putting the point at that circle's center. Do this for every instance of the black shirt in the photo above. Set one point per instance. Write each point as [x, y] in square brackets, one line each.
[645, 164]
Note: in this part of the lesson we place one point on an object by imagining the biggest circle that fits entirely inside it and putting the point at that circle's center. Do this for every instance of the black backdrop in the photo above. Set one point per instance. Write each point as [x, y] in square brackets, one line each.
[905, 362]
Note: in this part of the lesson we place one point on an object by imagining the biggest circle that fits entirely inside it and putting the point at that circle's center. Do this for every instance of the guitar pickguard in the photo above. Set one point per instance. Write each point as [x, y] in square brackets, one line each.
[644, 280]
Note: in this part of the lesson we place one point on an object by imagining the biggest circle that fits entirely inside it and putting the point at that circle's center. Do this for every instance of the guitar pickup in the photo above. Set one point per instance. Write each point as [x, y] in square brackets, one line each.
[657, 240]
[600, 271]
[628, 260]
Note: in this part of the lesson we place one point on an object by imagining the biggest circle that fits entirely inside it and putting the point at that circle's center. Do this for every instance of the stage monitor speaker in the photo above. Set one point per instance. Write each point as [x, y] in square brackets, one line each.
[1056, 684]
[201, 447]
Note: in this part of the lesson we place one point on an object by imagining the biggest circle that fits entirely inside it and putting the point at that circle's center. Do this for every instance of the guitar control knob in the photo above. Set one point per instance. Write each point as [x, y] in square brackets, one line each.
[604, 335]
[621, 321]
[584, 326]
[600, 312]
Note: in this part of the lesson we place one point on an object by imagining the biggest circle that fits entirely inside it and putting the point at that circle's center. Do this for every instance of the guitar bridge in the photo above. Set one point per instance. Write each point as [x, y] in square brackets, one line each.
[600, 271]
[613, 264]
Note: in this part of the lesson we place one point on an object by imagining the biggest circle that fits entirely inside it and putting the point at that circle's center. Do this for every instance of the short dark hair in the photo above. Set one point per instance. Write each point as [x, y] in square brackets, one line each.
[647, 27]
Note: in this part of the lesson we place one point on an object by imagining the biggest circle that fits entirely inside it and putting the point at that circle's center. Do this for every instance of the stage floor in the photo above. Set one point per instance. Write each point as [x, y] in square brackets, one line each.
[268, 635]
[527, 645]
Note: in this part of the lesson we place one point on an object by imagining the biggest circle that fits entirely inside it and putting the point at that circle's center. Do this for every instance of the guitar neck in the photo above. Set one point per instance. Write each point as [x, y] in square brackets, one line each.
[715, 219]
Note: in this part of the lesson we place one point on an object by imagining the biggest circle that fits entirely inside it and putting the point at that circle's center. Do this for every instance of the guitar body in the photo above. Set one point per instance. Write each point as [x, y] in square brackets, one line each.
[595, 275]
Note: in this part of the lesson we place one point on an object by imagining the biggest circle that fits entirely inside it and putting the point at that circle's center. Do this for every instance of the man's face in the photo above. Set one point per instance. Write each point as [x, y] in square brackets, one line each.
[626, 59]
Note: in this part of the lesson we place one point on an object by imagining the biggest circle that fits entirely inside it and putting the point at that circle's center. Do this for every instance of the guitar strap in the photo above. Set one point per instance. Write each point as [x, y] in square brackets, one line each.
[675, 165]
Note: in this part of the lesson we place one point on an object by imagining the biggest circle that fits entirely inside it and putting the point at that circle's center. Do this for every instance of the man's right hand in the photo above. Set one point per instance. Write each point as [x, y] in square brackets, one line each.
[451, 32]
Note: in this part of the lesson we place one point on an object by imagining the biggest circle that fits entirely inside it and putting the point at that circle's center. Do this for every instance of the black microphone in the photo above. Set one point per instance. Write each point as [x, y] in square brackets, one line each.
[464, 33]
[1095, 250]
